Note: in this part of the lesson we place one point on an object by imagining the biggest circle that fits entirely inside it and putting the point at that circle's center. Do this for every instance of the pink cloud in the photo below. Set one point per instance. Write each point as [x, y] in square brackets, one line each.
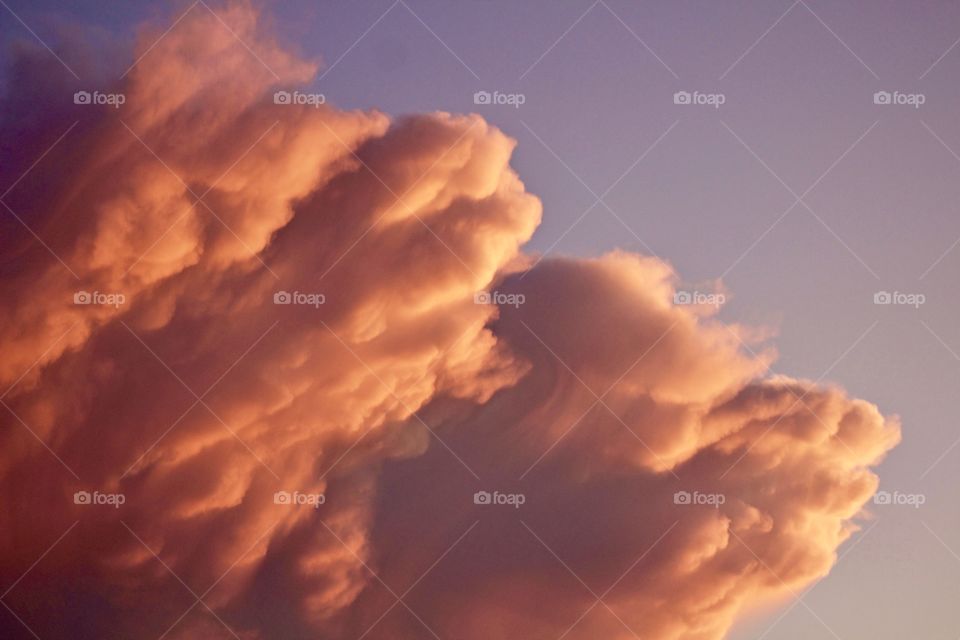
[390, 391]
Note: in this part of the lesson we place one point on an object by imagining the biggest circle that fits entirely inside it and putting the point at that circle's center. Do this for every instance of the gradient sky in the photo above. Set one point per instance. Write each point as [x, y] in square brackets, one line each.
[710, 198]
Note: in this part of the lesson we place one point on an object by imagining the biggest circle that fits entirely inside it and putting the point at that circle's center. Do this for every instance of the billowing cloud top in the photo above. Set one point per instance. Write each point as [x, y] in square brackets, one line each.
[254, 387]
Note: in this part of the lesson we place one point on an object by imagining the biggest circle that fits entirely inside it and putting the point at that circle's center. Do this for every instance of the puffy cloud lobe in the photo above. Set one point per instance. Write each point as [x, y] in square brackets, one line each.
[680, 410]
[397, 398]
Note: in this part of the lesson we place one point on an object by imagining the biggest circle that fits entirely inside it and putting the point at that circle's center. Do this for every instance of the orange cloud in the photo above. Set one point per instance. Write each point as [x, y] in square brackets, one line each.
[282, 298]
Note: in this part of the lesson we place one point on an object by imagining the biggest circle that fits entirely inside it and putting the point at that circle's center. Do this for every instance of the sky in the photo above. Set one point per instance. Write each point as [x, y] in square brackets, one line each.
[793, 192]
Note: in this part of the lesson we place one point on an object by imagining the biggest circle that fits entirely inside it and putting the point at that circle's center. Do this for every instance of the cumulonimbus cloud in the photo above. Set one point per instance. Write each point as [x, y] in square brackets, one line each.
[284, 298]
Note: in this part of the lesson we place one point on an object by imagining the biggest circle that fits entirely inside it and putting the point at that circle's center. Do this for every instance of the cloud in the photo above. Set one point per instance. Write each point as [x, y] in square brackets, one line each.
[282, 298]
